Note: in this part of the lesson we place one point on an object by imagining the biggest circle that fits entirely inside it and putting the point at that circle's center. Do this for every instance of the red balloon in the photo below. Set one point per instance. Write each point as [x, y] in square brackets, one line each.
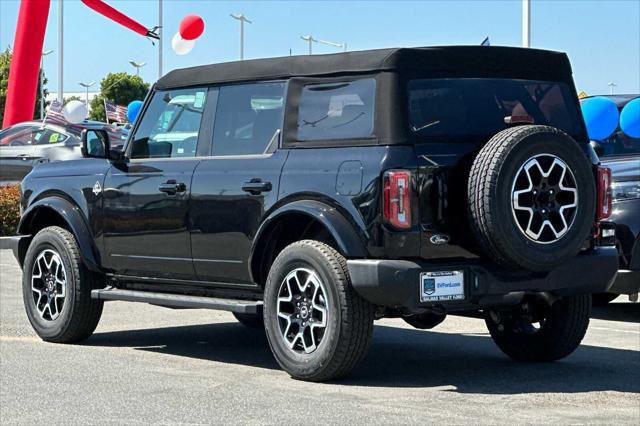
[191, 27]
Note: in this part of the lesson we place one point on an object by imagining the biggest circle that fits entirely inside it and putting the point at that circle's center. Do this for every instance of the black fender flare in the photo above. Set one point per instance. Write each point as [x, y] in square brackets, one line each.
[73, 217]
[342, 231]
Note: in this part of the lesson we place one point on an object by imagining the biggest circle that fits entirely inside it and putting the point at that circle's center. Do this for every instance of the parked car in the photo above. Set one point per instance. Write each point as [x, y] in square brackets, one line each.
[28, 144]
[621, 153]
[311, 195]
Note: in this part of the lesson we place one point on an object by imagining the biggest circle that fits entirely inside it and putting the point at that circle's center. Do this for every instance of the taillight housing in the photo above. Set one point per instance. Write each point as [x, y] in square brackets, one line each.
[604, 193]
[396, 198]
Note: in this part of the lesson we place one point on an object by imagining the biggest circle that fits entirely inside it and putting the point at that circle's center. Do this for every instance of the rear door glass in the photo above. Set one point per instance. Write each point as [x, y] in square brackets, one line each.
[475, 108]
[248, 117]
[342, 110]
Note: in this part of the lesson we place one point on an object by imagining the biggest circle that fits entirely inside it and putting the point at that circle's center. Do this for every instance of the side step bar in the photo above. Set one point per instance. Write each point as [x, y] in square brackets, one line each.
[179, 300]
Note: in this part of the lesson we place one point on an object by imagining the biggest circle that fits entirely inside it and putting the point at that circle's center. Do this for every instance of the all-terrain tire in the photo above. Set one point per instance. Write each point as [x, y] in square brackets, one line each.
[349, 326]
[250, 320]
[490, 190]
[563, 329]
[79, 314]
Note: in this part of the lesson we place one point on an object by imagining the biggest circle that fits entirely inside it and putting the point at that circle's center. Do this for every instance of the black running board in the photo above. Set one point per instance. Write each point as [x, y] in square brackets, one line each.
[179, 300]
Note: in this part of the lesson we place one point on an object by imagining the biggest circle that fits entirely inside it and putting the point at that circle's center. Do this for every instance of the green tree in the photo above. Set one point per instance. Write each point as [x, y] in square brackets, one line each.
[5, 63]
[72, 98]
[120, 88]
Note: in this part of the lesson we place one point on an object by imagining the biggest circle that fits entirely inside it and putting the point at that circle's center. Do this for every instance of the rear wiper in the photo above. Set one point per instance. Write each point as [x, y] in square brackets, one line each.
[417, 129]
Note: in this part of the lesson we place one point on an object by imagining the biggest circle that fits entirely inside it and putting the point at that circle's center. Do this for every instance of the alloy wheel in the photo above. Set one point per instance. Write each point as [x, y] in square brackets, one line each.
[49, 284]
[544, 198]
[302, 308]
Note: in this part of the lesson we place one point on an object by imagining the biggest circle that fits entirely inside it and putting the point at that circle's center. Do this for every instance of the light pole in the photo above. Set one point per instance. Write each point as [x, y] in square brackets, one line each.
[611, 86]
[86, 86]
[44, 53]
[309, 38]
[137, 66]
[159, 38]
[60, 51]
[242, 20]
[526, 23]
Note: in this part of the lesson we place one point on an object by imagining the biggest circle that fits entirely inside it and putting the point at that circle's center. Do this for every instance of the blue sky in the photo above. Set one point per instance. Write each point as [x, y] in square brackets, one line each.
[602, 37]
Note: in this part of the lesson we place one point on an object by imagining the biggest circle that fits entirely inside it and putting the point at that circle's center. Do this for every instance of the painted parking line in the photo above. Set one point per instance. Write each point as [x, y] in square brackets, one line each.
[614, 329]
[19, 339]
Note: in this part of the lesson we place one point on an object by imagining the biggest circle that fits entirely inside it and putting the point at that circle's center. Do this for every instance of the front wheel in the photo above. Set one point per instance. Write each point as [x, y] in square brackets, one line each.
[56, 288]
[317, 326]
[536, 332]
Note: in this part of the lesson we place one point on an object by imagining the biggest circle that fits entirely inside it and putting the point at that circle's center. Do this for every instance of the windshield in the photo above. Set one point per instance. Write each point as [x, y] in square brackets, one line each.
[469, 109]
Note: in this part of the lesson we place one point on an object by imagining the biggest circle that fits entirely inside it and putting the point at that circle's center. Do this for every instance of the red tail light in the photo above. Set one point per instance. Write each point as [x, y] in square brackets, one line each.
[604, 193]
[396, 198]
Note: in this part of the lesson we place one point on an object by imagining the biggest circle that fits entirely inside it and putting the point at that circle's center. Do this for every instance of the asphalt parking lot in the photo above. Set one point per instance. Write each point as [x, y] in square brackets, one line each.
[148, 364]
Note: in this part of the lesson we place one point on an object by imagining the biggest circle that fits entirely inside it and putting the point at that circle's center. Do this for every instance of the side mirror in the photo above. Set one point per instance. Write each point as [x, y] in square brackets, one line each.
[95, 144]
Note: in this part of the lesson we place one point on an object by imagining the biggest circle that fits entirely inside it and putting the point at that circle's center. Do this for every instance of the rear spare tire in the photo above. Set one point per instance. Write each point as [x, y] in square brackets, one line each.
[531, 198]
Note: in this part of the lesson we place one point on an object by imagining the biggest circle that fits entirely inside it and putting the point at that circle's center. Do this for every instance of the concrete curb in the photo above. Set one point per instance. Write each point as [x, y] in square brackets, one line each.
[6, 243]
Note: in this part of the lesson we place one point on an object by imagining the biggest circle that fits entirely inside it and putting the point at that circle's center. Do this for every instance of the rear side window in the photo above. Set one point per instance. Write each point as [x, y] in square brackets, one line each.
[247, 118]
[337, 110]
[170, 125]
[51, 136]
[469, 109]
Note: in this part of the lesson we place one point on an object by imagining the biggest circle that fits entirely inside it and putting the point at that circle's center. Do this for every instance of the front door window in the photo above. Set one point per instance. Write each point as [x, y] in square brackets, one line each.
[170, 125]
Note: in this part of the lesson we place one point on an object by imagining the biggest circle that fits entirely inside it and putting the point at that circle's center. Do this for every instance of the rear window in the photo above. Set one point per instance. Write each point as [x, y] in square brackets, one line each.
[342, 110]
[478, 108]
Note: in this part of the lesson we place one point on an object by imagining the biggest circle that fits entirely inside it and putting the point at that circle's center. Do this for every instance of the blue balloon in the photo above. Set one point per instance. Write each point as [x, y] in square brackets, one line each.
[601, 117]
[133, 109]
[630, 119]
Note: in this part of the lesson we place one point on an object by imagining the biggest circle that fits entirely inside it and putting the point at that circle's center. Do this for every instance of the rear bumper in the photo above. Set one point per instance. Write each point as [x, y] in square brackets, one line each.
[395, 283]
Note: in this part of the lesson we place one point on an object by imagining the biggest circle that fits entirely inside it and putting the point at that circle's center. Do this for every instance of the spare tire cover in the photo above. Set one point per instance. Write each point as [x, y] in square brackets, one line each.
[531, 198]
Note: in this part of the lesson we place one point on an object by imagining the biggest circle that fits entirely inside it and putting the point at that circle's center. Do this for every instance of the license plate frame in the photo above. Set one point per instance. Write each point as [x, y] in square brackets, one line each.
[442, 286]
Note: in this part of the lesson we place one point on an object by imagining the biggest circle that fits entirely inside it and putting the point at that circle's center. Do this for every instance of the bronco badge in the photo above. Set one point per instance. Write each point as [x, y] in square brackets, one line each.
[97, 189]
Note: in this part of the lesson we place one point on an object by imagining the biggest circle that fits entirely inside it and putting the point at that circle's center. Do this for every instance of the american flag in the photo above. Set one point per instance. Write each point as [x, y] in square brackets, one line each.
[55, 113]
[117, 113]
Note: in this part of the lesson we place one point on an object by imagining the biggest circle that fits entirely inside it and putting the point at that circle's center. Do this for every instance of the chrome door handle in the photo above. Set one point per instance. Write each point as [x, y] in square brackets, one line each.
[172, 187]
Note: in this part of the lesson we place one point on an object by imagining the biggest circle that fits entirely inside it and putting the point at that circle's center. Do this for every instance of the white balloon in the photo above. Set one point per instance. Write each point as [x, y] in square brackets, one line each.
[75, 112]
[180, 45]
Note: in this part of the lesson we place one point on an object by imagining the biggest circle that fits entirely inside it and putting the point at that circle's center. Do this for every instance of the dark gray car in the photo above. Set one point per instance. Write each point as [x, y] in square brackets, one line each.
[621, 153]
[25, 145]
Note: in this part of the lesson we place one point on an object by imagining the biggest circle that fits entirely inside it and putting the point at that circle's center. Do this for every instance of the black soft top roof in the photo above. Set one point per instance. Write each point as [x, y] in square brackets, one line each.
[454, 61]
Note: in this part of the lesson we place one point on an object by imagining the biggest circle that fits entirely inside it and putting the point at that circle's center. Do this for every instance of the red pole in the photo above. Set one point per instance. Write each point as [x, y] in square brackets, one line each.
[25, 62]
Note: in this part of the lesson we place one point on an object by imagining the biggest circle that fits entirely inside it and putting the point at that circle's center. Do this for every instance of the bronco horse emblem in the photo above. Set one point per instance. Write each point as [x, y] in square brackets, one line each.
[97, 189]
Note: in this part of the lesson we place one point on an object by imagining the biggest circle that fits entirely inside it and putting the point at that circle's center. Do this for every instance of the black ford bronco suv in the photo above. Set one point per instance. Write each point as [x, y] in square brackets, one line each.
[312, 195]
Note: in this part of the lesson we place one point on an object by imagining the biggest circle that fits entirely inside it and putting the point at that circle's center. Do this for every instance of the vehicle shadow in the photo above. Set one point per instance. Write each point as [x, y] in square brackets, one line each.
[624, 312]
[401, 357]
